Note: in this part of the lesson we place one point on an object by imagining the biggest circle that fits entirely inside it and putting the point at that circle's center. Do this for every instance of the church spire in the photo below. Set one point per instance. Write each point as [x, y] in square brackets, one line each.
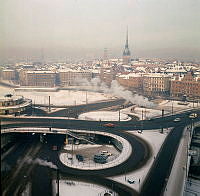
[126, 52]
[126, 45]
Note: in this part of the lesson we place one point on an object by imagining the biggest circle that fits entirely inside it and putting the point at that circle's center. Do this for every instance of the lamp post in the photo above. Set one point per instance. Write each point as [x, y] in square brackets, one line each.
[57, 172]
[141, 128]
[163, 112]
[86, 101]
[121, 107]
[193, 103]
[49, 104]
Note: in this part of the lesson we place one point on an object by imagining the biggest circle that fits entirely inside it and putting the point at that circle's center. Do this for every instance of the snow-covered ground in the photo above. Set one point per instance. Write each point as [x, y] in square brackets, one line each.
[104, 116]
[141, 113]
[6, 90]
[155, 139]
[65, 97]
[88, 151]
[75, 188]
[62, 97]
[170, 105]
[68, 158]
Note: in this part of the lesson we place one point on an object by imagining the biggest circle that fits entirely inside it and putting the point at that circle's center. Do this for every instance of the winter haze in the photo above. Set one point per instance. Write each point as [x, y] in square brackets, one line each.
[65, 29]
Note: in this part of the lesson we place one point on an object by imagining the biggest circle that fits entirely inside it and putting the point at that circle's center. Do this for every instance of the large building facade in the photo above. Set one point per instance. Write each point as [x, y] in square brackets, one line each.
[131, 81]
[73, 77]
[38, 78]
[188, 85]
[156, 84]
[9, 74]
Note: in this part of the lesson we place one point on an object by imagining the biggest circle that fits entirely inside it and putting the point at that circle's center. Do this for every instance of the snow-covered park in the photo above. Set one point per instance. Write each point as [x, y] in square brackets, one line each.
[104, 116]
[62, 97]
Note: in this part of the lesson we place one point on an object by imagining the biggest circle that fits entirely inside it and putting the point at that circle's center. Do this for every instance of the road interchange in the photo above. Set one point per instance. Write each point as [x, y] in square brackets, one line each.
[158, 174]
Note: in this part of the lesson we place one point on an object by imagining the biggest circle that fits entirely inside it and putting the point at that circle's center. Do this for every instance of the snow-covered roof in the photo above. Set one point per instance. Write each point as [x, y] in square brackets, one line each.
[8, 70]
[157, 75]
[12, 98]
[40, 72]
[73, 70]
[127, 76]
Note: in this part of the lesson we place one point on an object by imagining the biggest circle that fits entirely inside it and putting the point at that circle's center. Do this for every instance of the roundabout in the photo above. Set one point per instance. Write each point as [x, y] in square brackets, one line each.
[135, 153]
[121, 146]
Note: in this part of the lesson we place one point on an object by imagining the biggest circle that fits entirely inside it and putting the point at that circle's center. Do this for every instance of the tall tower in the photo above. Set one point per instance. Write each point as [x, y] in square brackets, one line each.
[126, 53]
[105, 55]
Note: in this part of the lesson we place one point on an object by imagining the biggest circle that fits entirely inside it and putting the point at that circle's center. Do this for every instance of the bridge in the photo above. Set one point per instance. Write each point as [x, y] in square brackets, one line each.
[157, 175]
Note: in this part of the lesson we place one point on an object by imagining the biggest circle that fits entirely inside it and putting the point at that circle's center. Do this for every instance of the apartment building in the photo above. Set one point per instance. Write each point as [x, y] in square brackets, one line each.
[69, 77]
[187, 85]
[156, 84]
[131, 81]
[8, 74]
[40, 78]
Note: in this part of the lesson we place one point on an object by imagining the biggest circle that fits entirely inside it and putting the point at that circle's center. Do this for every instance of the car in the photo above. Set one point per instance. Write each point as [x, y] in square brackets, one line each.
[193, 115]
[109, 125]
[177, 119]
[104, 151]
[98, 158]
[54, 148]
[79, 157]
[131, 181]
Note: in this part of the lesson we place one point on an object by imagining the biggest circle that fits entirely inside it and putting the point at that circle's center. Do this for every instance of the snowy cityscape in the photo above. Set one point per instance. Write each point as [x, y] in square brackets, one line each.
[100, 98]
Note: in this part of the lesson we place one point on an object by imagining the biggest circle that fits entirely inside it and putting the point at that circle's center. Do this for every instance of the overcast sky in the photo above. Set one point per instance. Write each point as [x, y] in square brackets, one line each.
[83, 28]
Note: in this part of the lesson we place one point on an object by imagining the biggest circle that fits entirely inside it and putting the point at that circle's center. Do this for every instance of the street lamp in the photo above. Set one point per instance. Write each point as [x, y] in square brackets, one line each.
[57, 171]
[141, 127]
[121, 107]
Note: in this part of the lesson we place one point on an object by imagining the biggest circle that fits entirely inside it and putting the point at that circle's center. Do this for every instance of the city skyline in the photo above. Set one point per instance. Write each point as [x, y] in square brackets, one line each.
[82, 29]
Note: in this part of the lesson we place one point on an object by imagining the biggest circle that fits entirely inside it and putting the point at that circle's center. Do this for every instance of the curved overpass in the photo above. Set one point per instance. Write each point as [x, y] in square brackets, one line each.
[164, 161]
[138, 156]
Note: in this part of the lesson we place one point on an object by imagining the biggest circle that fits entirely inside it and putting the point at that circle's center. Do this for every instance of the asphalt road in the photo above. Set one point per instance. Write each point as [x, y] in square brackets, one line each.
[162, 166]
[157, 123]
[75, 110]
[160, 171]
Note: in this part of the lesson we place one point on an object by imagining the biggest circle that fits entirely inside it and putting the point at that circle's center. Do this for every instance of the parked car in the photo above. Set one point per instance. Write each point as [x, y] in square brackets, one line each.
[131, 181]
[98, 158]
[54, 148]
[79, 157]
[193, 115]
[177, 119]
[104, 151]
[109, 125]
